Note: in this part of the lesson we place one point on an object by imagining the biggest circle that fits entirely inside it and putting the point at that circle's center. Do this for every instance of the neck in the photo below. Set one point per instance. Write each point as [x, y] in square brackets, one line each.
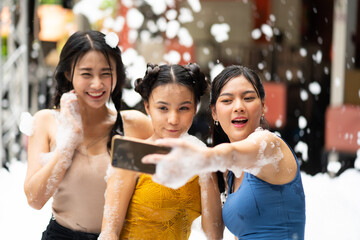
[95, 116]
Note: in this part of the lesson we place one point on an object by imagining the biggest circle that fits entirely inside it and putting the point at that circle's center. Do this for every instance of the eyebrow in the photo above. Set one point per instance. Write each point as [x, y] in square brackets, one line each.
[90, 69]
[243, 93]
[165, 103]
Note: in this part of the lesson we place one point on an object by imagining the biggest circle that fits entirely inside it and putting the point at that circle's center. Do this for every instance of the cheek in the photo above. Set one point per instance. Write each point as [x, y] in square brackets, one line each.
[223, 111]
[257, 112]
[187, 120]
[156, 119]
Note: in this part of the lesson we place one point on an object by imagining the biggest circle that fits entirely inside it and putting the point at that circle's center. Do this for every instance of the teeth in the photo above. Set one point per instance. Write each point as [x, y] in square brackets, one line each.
[95, 94]
[239, 121]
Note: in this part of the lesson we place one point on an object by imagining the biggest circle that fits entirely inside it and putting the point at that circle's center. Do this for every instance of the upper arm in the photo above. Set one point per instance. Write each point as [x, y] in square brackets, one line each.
[39, 141]
[211, 211]
[274, 156]
[120, 187]
[265, 155]
[137, 124]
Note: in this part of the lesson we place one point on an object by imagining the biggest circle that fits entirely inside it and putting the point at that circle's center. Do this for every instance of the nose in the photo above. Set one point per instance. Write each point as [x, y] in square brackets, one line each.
[173, 118]
[239, 106]
[96, 83]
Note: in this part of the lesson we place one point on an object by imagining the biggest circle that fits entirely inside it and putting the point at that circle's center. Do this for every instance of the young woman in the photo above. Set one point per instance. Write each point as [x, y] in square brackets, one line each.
[68, 152]
[265, 193]
[170, 94]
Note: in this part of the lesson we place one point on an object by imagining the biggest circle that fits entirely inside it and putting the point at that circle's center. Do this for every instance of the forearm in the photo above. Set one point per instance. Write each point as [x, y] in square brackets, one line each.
[237, 156]
[211, 219]
[117, 198]
[42, 184]
[220, 158]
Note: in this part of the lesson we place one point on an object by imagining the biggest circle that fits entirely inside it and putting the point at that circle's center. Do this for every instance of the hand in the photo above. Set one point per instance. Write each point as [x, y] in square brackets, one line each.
[70, 111]
[183, 162]
[70, 131]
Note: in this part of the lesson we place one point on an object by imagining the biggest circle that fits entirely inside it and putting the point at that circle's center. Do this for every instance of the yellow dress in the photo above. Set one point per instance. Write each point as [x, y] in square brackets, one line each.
[158, 212]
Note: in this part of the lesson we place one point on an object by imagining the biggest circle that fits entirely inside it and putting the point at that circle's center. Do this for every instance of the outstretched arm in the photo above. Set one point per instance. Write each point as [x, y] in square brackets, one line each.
[261, 153]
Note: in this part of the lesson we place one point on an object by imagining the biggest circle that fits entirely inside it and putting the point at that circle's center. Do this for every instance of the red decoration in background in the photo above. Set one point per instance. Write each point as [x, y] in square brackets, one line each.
[173, 44]
[124, 33]
[342, 127]
[275, 103]
[261, 15]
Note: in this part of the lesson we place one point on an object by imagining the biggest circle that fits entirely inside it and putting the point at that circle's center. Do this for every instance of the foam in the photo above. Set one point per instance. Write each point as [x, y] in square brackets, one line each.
[26, 125]
[180, 165]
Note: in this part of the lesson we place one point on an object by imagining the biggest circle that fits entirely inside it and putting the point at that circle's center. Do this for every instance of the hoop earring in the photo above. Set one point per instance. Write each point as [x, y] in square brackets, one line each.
[216, 122]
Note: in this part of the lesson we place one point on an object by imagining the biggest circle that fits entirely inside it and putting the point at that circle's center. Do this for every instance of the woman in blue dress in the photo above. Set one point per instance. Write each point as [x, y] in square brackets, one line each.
[265, 197]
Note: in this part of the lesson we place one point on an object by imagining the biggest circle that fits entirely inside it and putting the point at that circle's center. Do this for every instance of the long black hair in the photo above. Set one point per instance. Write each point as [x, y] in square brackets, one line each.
[217, 133]
[77, 46]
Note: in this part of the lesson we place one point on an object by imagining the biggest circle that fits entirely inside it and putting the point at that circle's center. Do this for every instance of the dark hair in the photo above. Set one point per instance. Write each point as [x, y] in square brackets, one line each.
[230, 72]
[77, 46]
[188, 75]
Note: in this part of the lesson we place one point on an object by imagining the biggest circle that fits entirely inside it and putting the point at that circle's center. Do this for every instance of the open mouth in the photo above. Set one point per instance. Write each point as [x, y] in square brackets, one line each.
[239, 121]
[95, 94]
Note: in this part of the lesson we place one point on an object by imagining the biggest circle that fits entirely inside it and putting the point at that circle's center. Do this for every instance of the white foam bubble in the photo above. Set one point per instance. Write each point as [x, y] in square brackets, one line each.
[26, 125]
[182, 163]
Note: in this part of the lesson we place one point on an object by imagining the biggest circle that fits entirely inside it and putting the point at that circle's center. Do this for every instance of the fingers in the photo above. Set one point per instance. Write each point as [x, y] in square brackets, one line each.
[171, 142]
[152, 158]
[69, 103]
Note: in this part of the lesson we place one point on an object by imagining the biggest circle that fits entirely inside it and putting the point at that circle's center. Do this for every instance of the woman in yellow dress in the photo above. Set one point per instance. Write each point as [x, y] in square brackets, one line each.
[138, 208]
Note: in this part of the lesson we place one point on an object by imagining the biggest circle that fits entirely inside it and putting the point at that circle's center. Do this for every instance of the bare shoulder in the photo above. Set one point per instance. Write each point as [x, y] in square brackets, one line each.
[264, 136]
[136, 124]
[44, 117]
[44, 130]
[285, 168]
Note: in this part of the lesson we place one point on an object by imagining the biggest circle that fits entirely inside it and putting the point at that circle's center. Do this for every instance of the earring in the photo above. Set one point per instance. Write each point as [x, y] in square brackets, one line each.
[216, 122]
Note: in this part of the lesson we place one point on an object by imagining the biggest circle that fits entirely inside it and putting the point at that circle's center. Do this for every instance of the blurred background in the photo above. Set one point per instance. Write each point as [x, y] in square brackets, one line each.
[307, 52]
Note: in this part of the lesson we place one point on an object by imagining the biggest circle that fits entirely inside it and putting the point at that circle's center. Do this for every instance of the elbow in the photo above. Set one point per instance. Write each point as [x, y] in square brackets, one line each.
[214, 231]
[215, 236]
[33, 201]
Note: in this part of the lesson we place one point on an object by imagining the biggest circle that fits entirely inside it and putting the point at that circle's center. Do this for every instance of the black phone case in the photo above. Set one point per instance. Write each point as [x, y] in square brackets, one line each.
[127, 153]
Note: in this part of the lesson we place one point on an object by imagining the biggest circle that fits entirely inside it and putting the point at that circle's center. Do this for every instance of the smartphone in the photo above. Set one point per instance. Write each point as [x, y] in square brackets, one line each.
[127, 153]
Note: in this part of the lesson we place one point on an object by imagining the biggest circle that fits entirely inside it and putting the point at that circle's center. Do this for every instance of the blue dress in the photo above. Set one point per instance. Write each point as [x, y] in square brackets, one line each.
[260, 210]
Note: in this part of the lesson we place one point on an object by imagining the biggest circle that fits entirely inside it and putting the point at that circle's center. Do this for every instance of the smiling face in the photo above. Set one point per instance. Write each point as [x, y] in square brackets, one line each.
[238, 109]
[172, 109]
[94, 79]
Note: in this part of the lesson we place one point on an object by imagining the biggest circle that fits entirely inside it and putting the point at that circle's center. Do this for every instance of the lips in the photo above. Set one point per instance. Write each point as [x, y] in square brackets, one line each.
[95, 94]
[172, 130]
[239, 122]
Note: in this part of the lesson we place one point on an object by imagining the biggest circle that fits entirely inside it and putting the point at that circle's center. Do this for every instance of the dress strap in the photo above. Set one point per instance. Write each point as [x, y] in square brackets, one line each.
[120, 128]
[230, 181]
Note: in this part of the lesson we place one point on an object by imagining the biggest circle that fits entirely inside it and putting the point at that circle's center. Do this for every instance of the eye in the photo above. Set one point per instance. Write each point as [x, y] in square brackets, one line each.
[85, 74]
[184, 108]
[163, 108]
[249, 99]
[225, 100]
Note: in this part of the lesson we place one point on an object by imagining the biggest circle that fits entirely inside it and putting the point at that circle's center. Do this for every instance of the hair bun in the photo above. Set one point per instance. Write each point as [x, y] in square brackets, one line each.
[199, 80]
[142, 85]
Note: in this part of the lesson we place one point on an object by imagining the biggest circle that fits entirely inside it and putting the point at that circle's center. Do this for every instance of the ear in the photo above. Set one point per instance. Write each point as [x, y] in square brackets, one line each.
[213, 113]
[146, 105]
[264, 108]
[68, 76]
